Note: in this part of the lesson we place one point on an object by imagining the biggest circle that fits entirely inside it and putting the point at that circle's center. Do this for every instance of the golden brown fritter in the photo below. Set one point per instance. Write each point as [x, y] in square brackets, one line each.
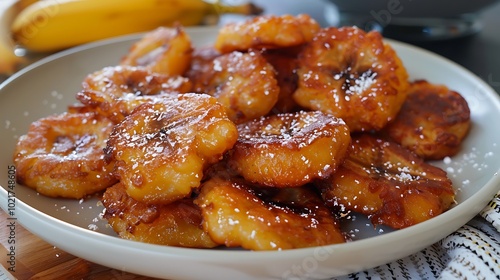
[115, 91]
[161, 149]
[388, 183]
[433, 121]
[289, 149]
[244, 83]
[165, 50]
[266, 32]
[237, 214]
[62, 155]
[174, 224]
[353, 75]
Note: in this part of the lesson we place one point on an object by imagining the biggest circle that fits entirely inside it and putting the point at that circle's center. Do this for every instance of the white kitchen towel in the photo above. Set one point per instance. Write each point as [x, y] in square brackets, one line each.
[471, 252]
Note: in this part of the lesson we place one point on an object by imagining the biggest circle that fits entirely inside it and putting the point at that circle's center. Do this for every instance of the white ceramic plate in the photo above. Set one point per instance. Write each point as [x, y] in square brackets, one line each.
[50, 85]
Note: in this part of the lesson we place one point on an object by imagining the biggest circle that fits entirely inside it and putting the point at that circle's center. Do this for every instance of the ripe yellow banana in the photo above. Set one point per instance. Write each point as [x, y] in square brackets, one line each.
[9, 62]
[52, 25]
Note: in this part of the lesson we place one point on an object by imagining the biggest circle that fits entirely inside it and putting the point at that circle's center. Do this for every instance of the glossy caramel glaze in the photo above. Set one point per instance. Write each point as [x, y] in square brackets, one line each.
[238, 214]
[433, 121]
[388, 183]
[289, 149]
[165, 50]
[162, 148]
[266, 32]
[244, 83]
[62, 155]
[353, 75]
[174, 224]
[115, 91]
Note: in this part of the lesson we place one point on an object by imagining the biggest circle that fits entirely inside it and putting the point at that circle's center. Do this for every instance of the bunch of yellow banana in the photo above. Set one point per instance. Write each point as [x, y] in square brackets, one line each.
[51, 25]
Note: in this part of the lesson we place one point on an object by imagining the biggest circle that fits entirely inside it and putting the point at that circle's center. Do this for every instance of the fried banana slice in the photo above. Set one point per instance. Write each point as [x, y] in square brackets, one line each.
[165, 50]
[238, 215]
[353, 75]
[433, 121]
[62, 155]
[389, 184]
[266, 32]
[161, 149]
[245, 83]
[289, 149]
[174, 224]
[283, 61]
[115, 91]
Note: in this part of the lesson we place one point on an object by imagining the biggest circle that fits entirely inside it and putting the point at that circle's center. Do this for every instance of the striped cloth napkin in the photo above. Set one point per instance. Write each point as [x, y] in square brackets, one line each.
[471, 252]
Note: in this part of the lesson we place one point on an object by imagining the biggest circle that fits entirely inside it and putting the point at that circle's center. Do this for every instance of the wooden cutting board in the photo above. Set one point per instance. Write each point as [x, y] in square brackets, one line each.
[37, 259]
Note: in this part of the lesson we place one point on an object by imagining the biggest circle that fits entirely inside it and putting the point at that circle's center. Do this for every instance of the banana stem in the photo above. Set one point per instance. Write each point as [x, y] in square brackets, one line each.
[249, 8]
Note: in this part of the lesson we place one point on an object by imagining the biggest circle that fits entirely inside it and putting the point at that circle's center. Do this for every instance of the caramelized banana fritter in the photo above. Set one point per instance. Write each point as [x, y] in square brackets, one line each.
[115, 91]
[237, 214]
[388, 183]
[174, 224]
[165, 50]
[289, 149]
[161, 149]
[266, 32]
[354, 76]
[62, 155]
[433, 121]
[244, 83]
